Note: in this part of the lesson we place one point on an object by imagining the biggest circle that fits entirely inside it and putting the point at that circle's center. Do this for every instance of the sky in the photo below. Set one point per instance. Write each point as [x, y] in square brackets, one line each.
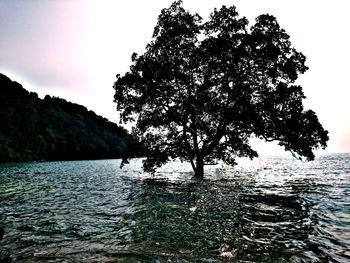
[74, 49]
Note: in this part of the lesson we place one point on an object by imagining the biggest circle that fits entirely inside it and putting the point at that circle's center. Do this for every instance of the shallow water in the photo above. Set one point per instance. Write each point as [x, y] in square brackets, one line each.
[274, 209]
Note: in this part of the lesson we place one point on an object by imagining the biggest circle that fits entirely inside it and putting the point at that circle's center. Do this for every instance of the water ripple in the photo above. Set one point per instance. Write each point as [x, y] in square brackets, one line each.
[269, 210]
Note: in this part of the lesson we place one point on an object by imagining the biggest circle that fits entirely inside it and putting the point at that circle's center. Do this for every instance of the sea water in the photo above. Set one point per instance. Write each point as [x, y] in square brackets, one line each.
[273, 209]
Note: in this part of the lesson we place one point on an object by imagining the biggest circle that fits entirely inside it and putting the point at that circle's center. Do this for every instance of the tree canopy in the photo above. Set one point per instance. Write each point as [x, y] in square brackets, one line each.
[203, 89]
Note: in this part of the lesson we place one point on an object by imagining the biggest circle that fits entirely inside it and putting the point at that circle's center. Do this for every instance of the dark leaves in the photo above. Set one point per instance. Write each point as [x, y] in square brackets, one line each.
[201, 90]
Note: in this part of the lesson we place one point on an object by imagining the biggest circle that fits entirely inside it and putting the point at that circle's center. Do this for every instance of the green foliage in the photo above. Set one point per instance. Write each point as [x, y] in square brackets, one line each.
[53, 129]
[203, 89]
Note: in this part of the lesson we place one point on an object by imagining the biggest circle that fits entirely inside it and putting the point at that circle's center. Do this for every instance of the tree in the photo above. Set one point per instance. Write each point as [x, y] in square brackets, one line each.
[202, 89]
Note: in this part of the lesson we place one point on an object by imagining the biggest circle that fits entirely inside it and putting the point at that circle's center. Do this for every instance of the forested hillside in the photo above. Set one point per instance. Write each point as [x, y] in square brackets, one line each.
[33, 129]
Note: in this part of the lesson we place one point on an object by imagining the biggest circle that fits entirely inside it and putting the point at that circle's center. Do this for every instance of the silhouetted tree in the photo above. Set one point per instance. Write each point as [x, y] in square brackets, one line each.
[202, 89]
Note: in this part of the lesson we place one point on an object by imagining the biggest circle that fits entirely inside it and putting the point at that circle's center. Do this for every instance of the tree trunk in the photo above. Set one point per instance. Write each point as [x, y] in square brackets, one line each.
[199, 171]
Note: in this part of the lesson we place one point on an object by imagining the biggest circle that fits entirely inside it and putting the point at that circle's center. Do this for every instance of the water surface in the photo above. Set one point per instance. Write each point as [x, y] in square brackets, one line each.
[274, 209]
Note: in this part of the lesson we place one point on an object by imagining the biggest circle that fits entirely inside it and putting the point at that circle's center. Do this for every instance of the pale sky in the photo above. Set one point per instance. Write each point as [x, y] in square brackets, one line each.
[74, 48]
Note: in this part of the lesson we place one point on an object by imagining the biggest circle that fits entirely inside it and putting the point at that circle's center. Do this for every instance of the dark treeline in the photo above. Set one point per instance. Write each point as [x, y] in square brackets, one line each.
[34, 129]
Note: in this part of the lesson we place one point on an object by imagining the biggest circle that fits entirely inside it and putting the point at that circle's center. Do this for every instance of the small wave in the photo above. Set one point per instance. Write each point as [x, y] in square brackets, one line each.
[273, 210]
